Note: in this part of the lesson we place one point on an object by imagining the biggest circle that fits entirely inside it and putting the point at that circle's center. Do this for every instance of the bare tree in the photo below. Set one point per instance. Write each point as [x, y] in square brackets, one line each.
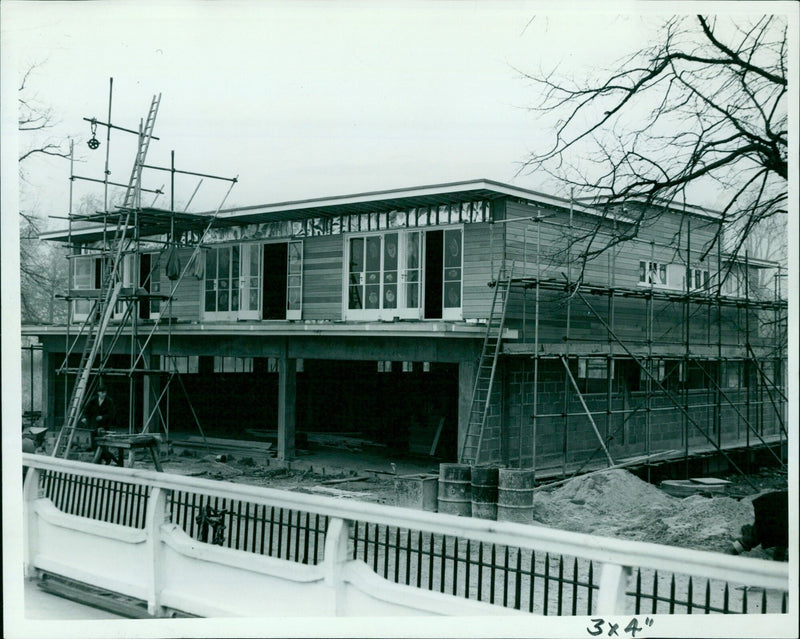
[704, 107]
[41, 268]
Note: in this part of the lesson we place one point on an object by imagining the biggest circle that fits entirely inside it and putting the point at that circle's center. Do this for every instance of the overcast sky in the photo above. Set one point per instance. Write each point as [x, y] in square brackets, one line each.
[304, 99]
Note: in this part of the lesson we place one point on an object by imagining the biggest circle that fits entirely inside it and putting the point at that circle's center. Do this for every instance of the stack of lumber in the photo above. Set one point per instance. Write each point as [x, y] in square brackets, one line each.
[238, 448]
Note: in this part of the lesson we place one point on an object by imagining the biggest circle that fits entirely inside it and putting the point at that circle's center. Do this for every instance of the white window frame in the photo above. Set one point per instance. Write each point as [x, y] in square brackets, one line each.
[129, 276]
[245, 280]
[229, 314]
[225, 364]
[293, 313]
[400, 310]
[155, 285]
[82, 307]
[452, 312]
[656, 274]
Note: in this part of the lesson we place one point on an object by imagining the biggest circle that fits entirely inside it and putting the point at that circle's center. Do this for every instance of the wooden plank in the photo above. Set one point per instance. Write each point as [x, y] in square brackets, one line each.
[435, 442]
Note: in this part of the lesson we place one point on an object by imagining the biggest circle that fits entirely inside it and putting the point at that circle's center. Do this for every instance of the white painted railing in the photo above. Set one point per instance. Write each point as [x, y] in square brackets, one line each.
[168, 569]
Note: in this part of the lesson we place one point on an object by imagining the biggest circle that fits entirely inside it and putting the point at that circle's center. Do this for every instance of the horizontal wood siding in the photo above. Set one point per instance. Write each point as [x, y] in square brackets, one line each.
[187, 297]
[629, 322]
[478, 247]
[618, 266]
[323, 258]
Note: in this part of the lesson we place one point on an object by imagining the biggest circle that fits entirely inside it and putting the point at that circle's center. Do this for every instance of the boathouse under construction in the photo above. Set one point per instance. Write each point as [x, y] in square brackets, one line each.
[457, 321]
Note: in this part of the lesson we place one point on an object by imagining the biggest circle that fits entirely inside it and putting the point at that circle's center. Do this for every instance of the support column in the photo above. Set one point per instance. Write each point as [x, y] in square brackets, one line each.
[48, 381]
[287, 396]
[151, 387]
[467, 371]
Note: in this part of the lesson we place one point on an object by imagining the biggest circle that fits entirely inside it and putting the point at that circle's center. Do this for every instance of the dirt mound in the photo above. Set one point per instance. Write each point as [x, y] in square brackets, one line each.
[617, 504]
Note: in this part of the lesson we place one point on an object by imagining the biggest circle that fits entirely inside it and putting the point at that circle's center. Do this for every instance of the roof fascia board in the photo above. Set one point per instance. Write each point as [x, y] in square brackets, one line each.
[693, 209]
[409, 192]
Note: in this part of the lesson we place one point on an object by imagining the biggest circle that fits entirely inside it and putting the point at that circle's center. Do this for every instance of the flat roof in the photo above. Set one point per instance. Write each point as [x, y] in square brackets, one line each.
[157, 221]
[368, 202]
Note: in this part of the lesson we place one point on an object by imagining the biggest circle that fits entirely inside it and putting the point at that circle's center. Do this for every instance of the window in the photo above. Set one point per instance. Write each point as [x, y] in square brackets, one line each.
[733, 285]
[593, 368]
[222, 281]
[294, 280]
[452, 270]
[233, 364]
[86, 276]
[653, 273]
[179, 363]
[700, 280]
[383, 277]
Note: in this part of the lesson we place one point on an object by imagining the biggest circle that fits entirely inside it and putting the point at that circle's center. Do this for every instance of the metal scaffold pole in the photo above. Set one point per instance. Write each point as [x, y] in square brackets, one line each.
[536, 340]
[747, 347]
[565, 435]
[687, 328]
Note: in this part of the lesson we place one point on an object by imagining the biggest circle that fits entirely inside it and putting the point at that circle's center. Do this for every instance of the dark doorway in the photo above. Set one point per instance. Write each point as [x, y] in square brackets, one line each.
[274, 281]
[434, 241]
[145, 283]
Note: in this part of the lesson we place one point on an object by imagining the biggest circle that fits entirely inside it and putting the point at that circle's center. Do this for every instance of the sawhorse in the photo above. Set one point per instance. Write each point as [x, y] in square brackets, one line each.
[122, 443]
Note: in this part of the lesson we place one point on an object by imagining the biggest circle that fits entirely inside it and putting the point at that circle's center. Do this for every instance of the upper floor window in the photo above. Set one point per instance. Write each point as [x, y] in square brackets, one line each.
[700, 279]
[86, 276]
[673, 276]
[653, 273]
[233, 364]
[405, 275]
[254, 281]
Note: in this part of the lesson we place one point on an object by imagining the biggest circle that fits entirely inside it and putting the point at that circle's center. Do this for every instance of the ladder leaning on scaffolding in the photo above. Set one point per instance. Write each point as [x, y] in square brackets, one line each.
[471, 447]
[111, 284]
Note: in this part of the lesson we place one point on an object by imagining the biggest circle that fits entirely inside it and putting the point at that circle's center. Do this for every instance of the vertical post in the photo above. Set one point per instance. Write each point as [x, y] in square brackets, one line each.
[686, 328]
[106, 172]
[778, 375]
[48, 389]
[747, 351]
[157, 514]
[467, 372]
[287, 394]
[649, 382]
[565, 438]
[30, 532]
[720, 372]
[536, 340]
[612, 587]
[336, 540]
[610, 340]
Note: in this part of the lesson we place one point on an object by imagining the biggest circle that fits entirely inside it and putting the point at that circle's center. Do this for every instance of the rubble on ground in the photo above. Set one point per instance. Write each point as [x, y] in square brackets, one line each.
[612, 503]
[616, 503]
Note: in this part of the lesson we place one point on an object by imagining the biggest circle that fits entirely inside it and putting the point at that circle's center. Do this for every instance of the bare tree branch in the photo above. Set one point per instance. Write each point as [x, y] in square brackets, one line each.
[705, 105]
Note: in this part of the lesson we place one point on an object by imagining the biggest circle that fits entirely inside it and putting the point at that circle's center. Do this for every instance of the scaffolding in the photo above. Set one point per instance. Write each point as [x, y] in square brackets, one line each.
[764, 392]
[116, 238]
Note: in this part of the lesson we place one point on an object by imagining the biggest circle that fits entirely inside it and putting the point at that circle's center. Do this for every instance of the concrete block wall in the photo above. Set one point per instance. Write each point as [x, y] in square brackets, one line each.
[574, 439]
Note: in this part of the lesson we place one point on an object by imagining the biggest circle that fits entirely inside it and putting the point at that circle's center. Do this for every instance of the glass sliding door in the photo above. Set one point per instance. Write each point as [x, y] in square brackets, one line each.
[85, 276]
[383, 276]
[294, 280]
[410, 276]
[222, 283]
[250, 281]
[451, 276]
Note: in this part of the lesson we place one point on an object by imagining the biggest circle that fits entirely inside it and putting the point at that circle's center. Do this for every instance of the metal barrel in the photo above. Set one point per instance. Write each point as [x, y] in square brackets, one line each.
[454, 489]
[515, 495]
[484, 492]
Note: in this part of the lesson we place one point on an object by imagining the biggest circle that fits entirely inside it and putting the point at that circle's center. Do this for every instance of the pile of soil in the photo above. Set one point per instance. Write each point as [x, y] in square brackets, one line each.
[615, 503]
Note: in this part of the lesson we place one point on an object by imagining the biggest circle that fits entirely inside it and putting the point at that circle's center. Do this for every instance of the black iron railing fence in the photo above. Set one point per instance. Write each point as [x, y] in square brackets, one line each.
[517, 578]
[525, 579]
[266, 530]
[678, 594]
[115, 502]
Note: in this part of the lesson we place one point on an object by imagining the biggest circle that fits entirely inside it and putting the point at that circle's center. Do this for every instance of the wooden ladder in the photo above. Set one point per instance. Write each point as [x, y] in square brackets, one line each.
[487, 367]
[110, 287]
